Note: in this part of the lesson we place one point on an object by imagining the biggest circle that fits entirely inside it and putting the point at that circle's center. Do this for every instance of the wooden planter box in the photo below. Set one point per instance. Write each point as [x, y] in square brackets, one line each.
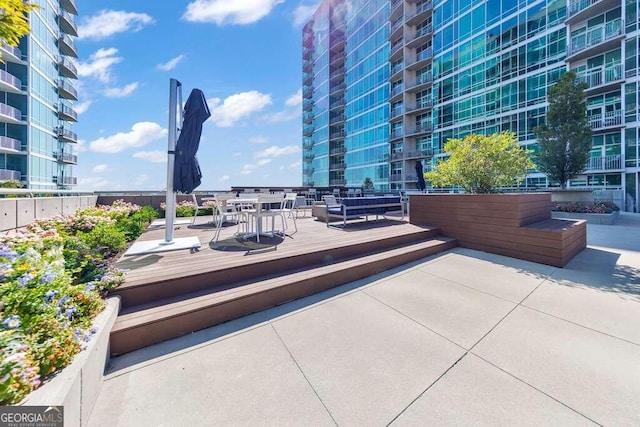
[591, 218]
[515, 225]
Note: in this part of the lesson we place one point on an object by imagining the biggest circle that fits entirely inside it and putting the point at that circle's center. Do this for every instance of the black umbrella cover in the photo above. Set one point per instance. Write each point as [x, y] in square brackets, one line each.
[420, 173]
[186, 171]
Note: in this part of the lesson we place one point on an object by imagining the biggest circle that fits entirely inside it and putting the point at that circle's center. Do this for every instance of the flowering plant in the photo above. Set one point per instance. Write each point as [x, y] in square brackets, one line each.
[585, 207]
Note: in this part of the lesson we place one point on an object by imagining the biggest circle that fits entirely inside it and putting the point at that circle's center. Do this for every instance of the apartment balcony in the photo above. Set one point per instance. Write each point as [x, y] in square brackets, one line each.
[338, 104]
[307, 66]
[308, 145]
[10, 175]
[307, 130]
[421, 106]
[66, 135]
[307, 104]
[67, 23]
[400, 177]
[337, 43]
[421, 128]
[66, 180]
[602, 79]
[423, 82]
[307, 53]
[396, 93]
[9, 114]
[337, 119]
[396, 114]
[11, 54]
[612, 162]
[67, 91]
[307, 80]
[10, 145]
[396, 72]
[338, 151]
[308, 170]
[67, 46]
[338, 182]
[335, 89]
[308, 158]
[307, 117]
[414, 155]
[420, 36]
[338, 166]
[337, 58]
[596, 40]
[67, 69]
[9, 82]
[307, 39]
[307, 91]
[581, 10]
[336, 135]
[396, 49]
[422, 59]
[336, 75]
[397, 28]
[423, 10]
[67, 113]
[610, 120]
[396, 9]
[70, 6]
[70, 159]
[396, 134]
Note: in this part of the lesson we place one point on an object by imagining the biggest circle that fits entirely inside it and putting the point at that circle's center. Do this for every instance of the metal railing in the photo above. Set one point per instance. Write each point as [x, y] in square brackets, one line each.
[337, 182]
[604, 163]
[338, 166]
[9, 111]
[396, 133]
[423, 56]
[610, 118]
[66, 40]
[424, 7]
[339, 134]
[600, 76]
[69, 20]
[67, 87]
[8, 175]
[397, 90]
[67, 158]
[595, 36]
[10, 79]
[67, 111]
[67, 134]
[337, 119]
[423, 32]
[66, 63]
[578, 6]
[338, 150]
[66, 180]
[396, 25]
[70, 5]
[10, 143]
[12, 50]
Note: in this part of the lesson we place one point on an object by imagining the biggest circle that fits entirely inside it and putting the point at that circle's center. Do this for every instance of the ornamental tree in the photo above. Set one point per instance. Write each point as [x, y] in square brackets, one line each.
[482, 164]
[14, 22]
[564, 141]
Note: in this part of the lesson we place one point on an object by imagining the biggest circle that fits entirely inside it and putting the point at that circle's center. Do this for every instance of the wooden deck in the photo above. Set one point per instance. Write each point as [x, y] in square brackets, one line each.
[172, 293]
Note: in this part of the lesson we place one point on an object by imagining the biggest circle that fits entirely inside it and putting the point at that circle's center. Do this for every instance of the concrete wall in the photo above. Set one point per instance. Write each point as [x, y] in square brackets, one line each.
[18, 212]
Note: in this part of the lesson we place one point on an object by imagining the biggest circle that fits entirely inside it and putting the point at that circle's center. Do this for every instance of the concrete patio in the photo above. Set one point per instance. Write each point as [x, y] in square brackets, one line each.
[461, 338]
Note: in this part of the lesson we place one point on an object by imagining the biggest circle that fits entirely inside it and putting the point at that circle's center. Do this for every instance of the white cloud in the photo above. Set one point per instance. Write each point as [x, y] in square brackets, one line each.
[275, 151]
[295, 99]
[94, 183]
[247, 169]
[120, 92]
[263, 162]
[171, 64]
[224, 178]
[82, 107]
[258, 139]
[140, 135]
[154, 156]
[100, 168]
[99, 64]
[303, 13]
[295, 165]
[109, 22]
[81, 146]
[222, 12]
[236, 107]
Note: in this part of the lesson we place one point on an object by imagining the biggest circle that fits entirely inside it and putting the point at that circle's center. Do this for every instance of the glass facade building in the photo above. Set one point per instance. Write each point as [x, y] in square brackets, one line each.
[36, 95]
[448, 68]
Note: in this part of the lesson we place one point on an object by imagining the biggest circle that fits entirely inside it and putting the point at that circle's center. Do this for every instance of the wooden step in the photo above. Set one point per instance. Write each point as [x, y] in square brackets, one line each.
[153, 323]
[134, 293]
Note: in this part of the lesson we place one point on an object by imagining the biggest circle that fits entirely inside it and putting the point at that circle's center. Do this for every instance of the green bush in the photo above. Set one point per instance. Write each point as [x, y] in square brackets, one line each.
[105, 238]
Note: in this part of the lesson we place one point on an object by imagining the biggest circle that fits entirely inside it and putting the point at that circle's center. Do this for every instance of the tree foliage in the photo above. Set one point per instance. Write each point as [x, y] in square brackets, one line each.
[564, 141]
[482, 164]
[14, 22]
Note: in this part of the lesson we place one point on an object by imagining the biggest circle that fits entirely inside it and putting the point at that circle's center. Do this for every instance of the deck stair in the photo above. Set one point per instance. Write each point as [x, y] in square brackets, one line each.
[170, 307]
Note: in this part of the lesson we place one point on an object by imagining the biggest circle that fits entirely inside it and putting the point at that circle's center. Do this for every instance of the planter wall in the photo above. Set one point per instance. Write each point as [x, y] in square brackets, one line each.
[76, 387]
[515, 225]
[591, 218]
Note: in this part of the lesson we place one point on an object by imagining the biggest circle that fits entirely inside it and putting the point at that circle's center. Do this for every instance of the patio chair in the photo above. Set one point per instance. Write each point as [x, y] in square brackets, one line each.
[198, 208]
[222, 212]
[288, 208]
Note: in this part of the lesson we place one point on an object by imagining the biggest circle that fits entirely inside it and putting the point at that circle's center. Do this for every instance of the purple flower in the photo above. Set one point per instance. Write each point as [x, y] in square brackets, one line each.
[88, 287]
[48, 276]
[24, 279]
[70, 311]
[8, 253]
[63, 300]
[11, 322]
[48, 296]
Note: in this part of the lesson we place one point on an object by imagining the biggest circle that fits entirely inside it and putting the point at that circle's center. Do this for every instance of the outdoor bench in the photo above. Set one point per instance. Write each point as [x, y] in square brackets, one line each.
[358, 207]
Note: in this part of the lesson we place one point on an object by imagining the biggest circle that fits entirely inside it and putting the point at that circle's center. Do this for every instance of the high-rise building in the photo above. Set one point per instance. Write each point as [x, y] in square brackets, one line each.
[419, 72]
[36, 92]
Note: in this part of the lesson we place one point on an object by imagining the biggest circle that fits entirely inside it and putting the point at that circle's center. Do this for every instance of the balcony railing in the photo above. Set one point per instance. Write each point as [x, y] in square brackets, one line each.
[67, 69]
[338, 166]
[400, 177]
[397, 45]
[337, 150]
[13, 51]
[396, 68]
[339, 181]
[422, 128]
[423, 32]
[11, 112]
[422, 104]
[609, 119]
[67, 158]
[604, 163]
[11, 80]
[66, 180]
[396, 25]
[424, 7]
[396, 133]
[8, 175]
[308, 145]
[336, 135]
[66, 112]
[66, 90]
[423, 56]
[67, 135]
[65, 42]
[10, 143]
[337, 58]
[69, 5]
[67, 23]
[397, 90]
[595, 36]
[595, 78]
[309, 157]
[337, 87]
[395, 112]
[337, 119]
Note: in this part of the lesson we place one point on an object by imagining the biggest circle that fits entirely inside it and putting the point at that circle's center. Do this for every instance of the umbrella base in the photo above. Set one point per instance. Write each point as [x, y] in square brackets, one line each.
[153, 246]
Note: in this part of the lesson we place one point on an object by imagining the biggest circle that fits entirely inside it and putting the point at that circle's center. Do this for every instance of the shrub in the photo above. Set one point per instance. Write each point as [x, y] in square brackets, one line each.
[105, 238]
[585, 207]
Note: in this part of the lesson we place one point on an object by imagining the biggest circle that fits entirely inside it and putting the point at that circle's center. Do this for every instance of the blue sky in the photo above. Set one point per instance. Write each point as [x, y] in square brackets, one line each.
[245, 55]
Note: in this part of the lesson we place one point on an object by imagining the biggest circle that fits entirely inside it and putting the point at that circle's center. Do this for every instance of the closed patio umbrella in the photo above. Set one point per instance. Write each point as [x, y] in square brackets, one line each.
[186, 173]
[420, 173]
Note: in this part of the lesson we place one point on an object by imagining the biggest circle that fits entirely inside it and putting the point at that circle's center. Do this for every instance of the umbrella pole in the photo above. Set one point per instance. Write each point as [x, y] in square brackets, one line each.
[175, 90]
